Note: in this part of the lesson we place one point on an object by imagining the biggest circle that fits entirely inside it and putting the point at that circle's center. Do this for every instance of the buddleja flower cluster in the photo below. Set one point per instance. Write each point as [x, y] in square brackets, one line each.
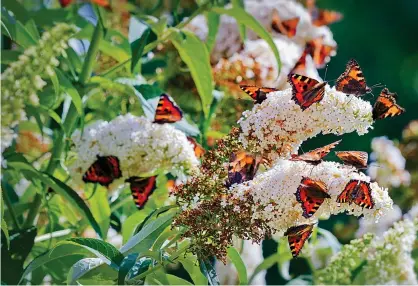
[23, 79]
[379, 260]
[273, 193]
[141, 146]
[389, 167]
[278, 126]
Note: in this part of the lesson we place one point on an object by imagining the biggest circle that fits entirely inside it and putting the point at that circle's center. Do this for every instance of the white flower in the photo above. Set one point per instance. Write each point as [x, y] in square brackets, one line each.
[141, 146]
[274, 191]
[413, 212]
[386, 221]
[389, 169]
[278, 126]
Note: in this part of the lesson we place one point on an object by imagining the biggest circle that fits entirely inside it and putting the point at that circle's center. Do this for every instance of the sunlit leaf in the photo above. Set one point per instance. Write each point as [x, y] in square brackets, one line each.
[236, 259]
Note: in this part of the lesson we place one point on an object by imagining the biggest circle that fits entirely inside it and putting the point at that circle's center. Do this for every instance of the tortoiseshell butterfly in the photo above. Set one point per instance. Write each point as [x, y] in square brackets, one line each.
[320, 52]
[258, 94]
[103, 3]
[357, 159]
[242, 167]
[358, 192]
[315, 156]
[306, 91]
[352, 81]
[141, 189]
[386, 106]
[321, 17]
[311, 194]
[167, 111]
[297, 236]
[285, 27]
[300, 66]
[199, 151]
[103, 171]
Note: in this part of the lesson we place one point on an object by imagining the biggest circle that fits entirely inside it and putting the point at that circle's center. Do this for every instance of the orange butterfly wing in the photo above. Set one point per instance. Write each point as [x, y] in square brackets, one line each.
[142, 189]
[199, 151]
[358, 192]
[167, 111]
[297, 236]
[103, 171]
[311, 194]
[300, 66]
[385, 105]
[306, 91]
[320, 53]
[358, 159]
[286, 27]
[315, 156]
[258, 94]
[321, 17]
[352, 81]
[242, 167]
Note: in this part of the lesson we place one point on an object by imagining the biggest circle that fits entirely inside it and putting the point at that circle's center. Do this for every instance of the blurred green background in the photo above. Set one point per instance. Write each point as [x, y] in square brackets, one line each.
[382, 36]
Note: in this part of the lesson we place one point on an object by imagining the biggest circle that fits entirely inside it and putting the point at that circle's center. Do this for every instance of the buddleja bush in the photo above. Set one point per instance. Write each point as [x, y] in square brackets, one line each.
[103, 179]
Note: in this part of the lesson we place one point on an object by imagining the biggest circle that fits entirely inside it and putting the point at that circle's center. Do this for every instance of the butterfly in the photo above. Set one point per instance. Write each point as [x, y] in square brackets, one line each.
[141, 189]
[357, 159]
[103, 171]
[167, 111]
[306, 91]
[315, 156]
[385, 105]
[300, 66]
[258, 94]
[311, 194]
[297, 236]
[103, 3]
[320, 52]
[242, 167]
[358, 192]
[286, 27]
[352, 81]
[321, 17]
[199, 151]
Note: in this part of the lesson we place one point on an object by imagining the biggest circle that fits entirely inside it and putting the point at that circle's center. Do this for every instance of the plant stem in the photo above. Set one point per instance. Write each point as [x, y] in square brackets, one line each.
[92, 52]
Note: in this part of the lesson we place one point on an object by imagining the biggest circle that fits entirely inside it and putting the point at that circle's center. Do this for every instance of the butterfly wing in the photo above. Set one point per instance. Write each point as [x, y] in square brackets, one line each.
[286, 27]
[311, 194]
[320, 53]
[167, 111]
[345, 196]
[321, 17]
[315, 156]
[297, 236]
[199, 151]
[103, 171]
[357, 159]
[363, 196]
[385, 105]
[242, 167]
[352, 81]
[142, 189]
[300, 66]
[258, 94]
[65, 3]
[306, 91]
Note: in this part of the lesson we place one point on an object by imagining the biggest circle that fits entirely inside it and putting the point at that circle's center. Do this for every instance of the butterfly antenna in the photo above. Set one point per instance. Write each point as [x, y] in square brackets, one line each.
[377, 85]
[326, 71]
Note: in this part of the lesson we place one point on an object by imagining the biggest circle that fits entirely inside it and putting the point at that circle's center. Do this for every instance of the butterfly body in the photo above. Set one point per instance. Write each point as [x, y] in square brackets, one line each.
[315, 156]
[141, 189]
[285, 27]
[306, 91]
[258, 94]
[357, 159]
[311, 194]
[242, 167]
[358, 192]
[167, 111]
[352, 81]
[103, 171]
[297, 236]
[386, 106]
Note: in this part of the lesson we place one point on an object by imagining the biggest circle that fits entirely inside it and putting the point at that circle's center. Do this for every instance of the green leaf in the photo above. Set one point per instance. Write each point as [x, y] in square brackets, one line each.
[266, 264]
[236, 259]
[21, 15]
[15, 30]
[60, 188]
[210, 272]
[130, 224]
[139, 267]
[144, 239]
[138, 36]
[174, 280]
[127, 263]
[100, 248]
[283, 263]
[99, 206]
[68, 88]
[91, 271]
[191, 265]
[5, 231]
[9, 56]
[214, 20]
[243, 17]
[55, 83]
[187, 44]
[241, 27]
